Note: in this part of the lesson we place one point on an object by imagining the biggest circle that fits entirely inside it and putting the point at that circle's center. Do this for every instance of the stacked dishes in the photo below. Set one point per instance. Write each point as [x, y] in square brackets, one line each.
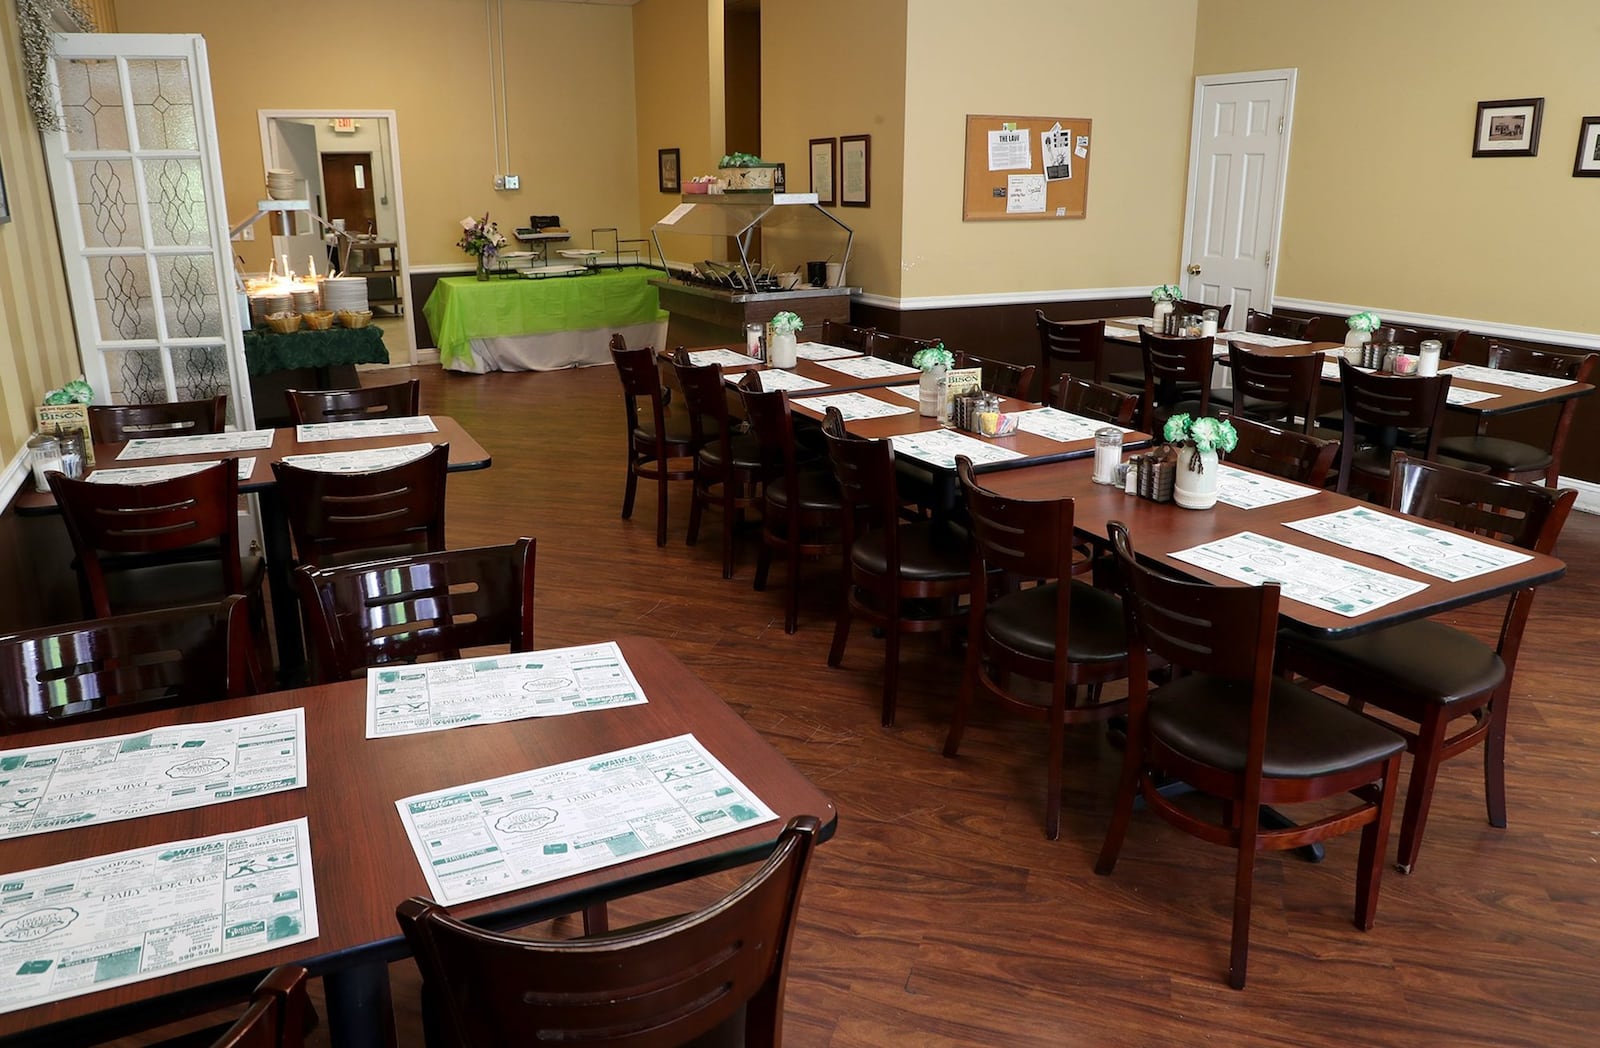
[344, 294]
[307, 300]
[282, 183]
[263, 304]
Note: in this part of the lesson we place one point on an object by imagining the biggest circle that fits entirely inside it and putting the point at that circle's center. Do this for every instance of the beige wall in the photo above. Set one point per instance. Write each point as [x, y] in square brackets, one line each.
[1386, 206]
[1125, 65]
[569, 81]
[678, 67]
[741, 79]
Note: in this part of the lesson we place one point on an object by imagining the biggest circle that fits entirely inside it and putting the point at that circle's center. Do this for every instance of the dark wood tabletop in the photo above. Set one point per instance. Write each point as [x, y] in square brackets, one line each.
[837, 381]
[364, 865]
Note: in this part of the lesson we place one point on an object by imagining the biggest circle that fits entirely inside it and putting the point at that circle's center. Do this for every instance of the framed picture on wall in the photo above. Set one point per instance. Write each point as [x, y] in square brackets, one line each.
[1588, 162]
[1509, 127]
[855, 170]
[667, 170]
[822, 169]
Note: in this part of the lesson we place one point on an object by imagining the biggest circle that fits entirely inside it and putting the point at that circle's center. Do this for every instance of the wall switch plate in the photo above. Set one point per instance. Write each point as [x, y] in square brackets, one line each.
[248, 232]
[499, 181]
[513, 182]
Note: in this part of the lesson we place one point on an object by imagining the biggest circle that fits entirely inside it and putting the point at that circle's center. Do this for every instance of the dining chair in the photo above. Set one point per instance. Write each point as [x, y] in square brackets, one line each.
[728, 465]
[1177, 377]
[898, 348]
[1000, 377]
[1259, 323]
[1064, 633]
[1383, 413]
[655, 440]
[1189, 305]
[717, 973]
[398, 400]
[176, 656]
[110, 423]
[1521, 460]
[1231, 730]
[276, 1017]
[1327, 329]
[847, 336]
[802, 509]
[1096, 401]
[1272, 388]
[1069, 342]
[1412, 337]
[900, 577]
[340, 518]
[1285, 453]
[1426, 672]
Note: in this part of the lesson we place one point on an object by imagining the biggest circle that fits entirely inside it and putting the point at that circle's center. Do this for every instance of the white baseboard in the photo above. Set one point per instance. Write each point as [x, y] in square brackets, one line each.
[1017, 298]
[1588, 494]
[1555, 336]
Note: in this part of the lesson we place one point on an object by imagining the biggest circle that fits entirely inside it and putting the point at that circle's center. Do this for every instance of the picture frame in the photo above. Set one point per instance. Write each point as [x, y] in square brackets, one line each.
[1587, 165]
[5, 200]
[667, 170]
[855, 170]
[1508, 127]
[824, 169]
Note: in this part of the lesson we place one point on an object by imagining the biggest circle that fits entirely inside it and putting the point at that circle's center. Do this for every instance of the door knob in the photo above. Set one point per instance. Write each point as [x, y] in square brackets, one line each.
[1194, 269]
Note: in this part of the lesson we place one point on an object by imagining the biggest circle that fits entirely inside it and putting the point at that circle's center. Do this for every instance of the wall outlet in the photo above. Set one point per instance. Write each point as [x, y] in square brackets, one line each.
[513, 182]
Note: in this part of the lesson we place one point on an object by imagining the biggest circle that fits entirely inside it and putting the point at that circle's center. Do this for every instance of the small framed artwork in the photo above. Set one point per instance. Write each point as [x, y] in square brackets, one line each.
[667, 170]
[1588, 163]
[855, 170]
[822, 169]
[5, 201]
[1509, 127]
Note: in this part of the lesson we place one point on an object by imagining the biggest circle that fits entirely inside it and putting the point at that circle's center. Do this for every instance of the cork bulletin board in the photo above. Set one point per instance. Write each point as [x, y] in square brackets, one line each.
[1022, 167]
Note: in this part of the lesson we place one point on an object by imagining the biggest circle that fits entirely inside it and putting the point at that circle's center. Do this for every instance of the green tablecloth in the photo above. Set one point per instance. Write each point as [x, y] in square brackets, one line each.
[464, 308]
[266, 351]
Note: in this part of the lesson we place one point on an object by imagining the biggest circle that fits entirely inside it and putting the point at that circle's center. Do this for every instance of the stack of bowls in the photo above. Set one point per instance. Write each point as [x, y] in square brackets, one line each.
[282, 184]
[344, 294]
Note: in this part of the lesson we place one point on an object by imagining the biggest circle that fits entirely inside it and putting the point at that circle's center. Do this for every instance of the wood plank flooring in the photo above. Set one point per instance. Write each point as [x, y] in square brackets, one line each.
[940, 915]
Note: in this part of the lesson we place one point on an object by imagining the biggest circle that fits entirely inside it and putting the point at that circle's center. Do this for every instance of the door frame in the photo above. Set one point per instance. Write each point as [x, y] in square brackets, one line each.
[1288, 76]
[264, 118]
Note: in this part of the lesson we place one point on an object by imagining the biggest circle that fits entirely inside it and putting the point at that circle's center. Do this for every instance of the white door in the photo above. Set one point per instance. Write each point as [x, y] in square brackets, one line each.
[144, 236]
[1238, 158]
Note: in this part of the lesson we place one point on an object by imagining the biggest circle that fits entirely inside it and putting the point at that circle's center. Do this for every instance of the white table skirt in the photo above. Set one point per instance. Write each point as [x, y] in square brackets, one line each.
[558, 349]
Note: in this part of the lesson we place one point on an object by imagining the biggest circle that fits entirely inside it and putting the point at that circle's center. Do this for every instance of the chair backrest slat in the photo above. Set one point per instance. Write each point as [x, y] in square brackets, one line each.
[110, 423]
[399, 400]
[1096, 401]
[1292, 381]
[334, 516]
[1069, 342]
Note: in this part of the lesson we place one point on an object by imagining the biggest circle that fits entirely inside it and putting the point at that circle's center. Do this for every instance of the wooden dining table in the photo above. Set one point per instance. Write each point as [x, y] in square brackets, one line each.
[363, 862]
[465, 454]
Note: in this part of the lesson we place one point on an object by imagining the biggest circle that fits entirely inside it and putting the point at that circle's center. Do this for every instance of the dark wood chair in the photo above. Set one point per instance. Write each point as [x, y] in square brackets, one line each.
[655, 440]
[847, 336]
[352, 405]
[1515, 459]
[1284, 453]
[1232, 730]
[1426, 672]
[1327, 329]
[1067, 634]
[802, 510]
[999, 376]
[728, 465]
[889, 564]
[898, 348]
[1383, 413]
[1412, 337]
[1093, 400]
[340, 518]
[277, 1014]
[1068, 343]
[125, 664]
[1259, 323]
[1272, 388]
[110, 423]
[717, 973]
[1177, 377]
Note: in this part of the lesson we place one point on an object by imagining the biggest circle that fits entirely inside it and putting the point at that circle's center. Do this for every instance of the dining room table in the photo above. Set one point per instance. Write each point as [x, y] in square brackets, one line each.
[362, 858]
[286, 441]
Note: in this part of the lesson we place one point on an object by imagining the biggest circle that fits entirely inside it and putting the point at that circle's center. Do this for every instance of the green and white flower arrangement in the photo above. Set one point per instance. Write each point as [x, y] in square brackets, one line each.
[1366, 320]
[75, 392]
[1203, 434]
[740, 160]
[786, 323]
[934, 356]
[1166, 293]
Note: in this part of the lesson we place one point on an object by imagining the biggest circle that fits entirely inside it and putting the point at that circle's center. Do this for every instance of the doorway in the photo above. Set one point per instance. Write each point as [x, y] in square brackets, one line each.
[348, 191]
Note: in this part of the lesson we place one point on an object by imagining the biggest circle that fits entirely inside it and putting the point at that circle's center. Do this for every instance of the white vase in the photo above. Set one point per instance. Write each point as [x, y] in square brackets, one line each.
[930, 392]
[1354, 342]
[1158, 316]
[781, 349]
[1195, 485]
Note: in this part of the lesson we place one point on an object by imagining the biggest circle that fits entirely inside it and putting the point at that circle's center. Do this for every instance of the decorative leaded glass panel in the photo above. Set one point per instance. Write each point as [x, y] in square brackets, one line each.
[135, 376]
[91, 101]
[199, 372]
[187, 285]
[107, 208]
[163, 104]
[122, 297]
[177, 203]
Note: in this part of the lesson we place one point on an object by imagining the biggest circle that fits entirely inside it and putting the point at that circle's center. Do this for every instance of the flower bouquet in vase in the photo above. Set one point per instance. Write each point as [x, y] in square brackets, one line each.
[934, 361]
[1195, 486]
[1362, 325]
[481, 239]
[781, 341]
[1166, 298]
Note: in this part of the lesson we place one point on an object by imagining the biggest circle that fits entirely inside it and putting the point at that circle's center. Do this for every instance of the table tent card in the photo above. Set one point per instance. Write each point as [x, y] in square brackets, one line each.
[361, 429]
[939, 448]
[166, 471]
[360, 461]
[1064, 426]
[868, 367]
[853, 406]
[823, 351]
[1444, 554]
[1245, 489]
[1311, 578]
[197, 444]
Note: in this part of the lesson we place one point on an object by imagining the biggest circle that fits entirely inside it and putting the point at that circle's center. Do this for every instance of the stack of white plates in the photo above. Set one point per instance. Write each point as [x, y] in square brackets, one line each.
[261, 305]
[282, 184]
[344, 293]
[307, 301]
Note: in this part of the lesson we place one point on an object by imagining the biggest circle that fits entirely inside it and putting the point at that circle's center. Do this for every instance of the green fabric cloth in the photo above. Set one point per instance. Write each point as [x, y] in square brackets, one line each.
[464, 308]
[266, 351]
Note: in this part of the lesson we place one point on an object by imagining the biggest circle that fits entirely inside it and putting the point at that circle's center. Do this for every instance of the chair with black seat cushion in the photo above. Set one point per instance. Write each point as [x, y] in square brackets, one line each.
[847, 336]
[1177, 377]
[660, 447]
[1066, 343]
[890, 564]
[1065, 634]
[110, 423]
[1516, 459]
[728, 465]
[1284, 453]
[1233, 731]
[1259, 323]
[999, 376]
[341, 518]
[714, 976]
[1096, 401]
[1426, 672]
[1383, 413]
[399, 400]
[802, 510]
[176, 656]
[1272, 388]
[898, 348]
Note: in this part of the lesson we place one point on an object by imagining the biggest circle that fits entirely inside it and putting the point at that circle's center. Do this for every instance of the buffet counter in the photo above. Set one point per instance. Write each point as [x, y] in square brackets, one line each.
[707, 316]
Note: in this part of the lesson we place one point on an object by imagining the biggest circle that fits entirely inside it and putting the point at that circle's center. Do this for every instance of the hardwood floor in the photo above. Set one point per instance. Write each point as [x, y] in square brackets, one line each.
[940, 915]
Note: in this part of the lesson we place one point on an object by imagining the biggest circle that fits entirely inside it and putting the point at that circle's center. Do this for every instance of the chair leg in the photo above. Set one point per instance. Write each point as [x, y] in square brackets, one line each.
[969, 684]
[891, 668]
[1243, 884]
[1374, 842]
[1494, 760]
[1058, 741]
[791, 597]
[729, 519]
[595, 919]
[629, 490]
[1122, 807]
[697, 506]
[763, 561]
[841, 626]
[1425, 760]
[661, 506]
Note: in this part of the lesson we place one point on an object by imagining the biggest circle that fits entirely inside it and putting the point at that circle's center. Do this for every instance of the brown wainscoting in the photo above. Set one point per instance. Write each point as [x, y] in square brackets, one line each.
[421, 288]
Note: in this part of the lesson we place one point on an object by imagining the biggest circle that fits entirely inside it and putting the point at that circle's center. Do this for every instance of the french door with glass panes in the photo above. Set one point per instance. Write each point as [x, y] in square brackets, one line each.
[144, 233]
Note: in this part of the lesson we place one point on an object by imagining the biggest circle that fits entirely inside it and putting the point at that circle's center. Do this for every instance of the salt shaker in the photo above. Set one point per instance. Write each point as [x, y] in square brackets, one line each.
[1428, 361]
[1107, 454]
[1208, 322]
[44, 455]
[72, 453]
